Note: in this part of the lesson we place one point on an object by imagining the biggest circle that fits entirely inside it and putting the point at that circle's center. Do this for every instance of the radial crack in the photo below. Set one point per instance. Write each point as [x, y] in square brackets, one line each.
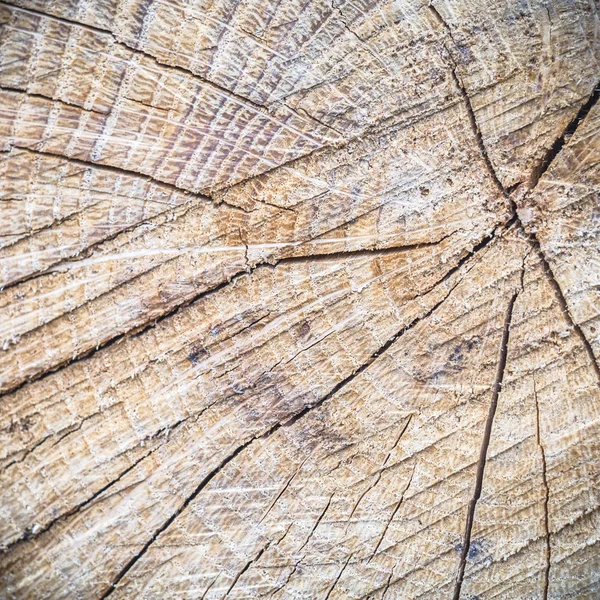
[565, 307]
[283, 490]
[290, 421]
[246, 567]
[337, 579]
[484, 446]
[134, 330]
[262, 109]
[16, 90]
[142, 327]
[559, 143]
[534, 179]
[34, 532]
[379, 471]
[205, 191]
[536, 176]
[64, 262]
[467, 100]
[384, 347]
[546, 493]
[393, 515]
[317, 523]
[171, 427]
[287, 579]
[87, 164]
[360, 252]
[205, 481]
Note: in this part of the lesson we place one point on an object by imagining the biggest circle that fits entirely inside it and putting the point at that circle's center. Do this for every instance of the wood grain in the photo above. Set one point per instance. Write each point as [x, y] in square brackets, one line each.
[299, 299]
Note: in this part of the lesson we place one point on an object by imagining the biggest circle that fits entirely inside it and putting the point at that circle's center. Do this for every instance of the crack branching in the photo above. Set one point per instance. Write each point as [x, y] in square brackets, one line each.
[206, 480]
[484, 446]
[248, 269]
[538, 173]
[544, 165]
[535, 177]
[286, 581]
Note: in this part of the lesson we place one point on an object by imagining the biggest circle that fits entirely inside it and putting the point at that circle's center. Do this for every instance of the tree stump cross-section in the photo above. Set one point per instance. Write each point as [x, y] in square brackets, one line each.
[300, 299]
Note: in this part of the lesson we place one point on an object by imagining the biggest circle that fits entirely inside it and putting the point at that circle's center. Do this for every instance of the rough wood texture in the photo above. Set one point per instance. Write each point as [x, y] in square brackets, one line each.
[299, 299]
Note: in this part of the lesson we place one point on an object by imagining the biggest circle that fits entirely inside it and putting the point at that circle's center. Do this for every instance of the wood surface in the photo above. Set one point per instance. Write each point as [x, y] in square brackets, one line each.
[300, 299]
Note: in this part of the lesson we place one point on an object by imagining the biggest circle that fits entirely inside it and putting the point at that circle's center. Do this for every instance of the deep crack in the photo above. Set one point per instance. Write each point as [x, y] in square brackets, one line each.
[559, 143]
[206, 480]
[536, 175]
[546, 499]
[497, 387]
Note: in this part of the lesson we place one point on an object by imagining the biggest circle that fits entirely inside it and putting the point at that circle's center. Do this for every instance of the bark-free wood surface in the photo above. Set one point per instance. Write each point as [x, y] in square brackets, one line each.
[299, 299]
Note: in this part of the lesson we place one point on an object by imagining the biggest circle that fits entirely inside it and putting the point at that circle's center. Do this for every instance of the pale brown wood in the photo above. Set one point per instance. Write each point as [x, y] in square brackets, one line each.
[299, 299]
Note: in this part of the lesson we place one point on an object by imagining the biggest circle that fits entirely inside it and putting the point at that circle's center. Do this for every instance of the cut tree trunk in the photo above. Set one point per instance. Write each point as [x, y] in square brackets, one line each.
[299, 299]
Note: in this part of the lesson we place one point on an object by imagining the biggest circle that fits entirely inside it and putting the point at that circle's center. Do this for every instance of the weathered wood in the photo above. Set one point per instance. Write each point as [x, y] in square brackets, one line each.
[299, 299]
